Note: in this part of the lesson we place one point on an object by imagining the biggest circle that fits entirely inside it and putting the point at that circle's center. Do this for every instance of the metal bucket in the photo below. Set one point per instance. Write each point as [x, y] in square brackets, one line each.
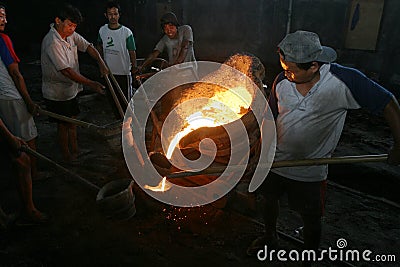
[116, 199]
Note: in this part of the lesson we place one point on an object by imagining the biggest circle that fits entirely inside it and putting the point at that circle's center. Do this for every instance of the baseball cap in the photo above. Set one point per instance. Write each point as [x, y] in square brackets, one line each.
[304, 46]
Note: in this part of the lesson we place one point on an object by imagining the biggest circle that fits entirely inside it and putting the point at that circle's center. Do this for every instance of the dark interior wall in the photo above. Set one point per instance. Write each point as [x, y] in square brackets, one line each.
[388, 48]
[226, 27]
[27, 23]
[256, 26]
[222, 27]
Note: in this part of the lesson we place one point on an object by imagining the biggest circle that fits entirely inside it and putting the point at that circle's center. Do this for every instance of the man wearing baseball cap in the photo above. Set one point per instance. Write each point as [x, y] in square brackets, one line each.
[309, 100]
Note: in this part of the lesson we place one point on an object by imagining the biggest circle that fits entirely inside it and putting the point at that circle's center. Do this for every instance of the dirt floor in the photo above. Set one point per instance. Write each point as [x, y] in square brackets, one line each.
[362, 207]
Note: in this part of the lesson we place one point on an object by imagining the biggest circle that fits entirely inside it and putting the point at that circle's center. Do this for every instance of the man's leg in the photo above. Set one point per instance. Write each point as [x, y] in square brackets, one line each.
[23, 174]
[312, 219]
[271, 213]
[73, 140]
[308, 198]
[34, 171]
[271, 190]
[62, 132]
[311, 236]
[269, 238]
[3, 219]
[312, 231]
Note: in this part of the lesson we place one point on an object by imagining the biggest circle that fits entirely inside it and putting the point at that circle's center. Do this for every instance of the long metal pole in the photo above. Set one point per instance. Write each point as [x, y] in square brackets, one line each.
[153, 115]
[119, 89]
[335, 160]
[68, 119]
[290, 163]
[58, 166]
[114, 96]
[104, 130]
[289, 18]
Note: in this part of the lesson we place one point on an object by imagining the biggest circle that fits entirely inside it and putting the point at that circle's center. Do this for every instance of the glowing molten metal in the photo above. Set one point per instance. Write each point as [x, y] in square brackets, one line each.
[161, 187]
[224, 105]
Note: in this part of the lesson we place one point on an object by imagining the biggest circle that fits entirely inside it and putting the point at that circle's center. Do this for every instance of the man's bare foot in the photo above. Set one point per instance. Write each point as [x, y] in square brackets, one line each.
[67, 157]
[80, 153]
[71, 158]
[74, 156]
[3, 221]
[34, 217]
[6, 221]
[41, 176]
[38, 215]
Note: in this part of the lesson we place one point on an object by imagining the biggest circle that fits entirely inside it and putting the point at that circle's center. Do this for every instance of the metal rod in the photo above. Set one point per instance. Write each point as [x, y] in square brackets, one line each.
[335, 160]
[144, 75]
[121, 93]
[114, 96]
[103, 130]
[289, 163]
[127, 131]
[58, 166]
[70, 120]
[153, 115]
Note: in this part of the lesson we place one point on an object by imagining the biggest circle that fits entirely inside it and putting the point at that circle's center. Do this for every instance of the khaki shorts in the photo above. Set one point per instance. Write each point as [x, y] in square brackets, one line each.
[18, 120]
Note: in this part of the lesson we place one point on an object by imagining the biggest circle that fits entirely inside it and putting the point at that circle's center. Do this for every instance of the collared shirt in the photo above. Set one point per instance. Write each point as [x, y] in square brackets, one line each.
[310, 126]
[58, 54]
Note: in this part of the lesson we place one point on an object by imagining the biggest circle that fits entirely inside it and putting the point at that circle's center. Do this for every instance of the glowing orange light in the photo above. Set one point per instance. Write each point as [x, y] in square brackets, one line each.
[163, 186]
[225, 106]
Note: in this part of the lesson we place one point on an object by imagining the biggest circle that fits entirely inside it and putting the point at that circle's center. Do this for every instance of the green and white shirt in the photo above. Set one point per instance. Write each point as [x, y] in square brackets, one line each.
[116, 46]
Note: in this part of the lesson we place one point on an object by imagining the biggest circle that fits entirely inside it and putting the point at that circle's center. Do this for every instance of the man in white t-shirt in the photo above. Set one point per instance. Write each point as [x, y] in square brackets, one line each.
[116, 44]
